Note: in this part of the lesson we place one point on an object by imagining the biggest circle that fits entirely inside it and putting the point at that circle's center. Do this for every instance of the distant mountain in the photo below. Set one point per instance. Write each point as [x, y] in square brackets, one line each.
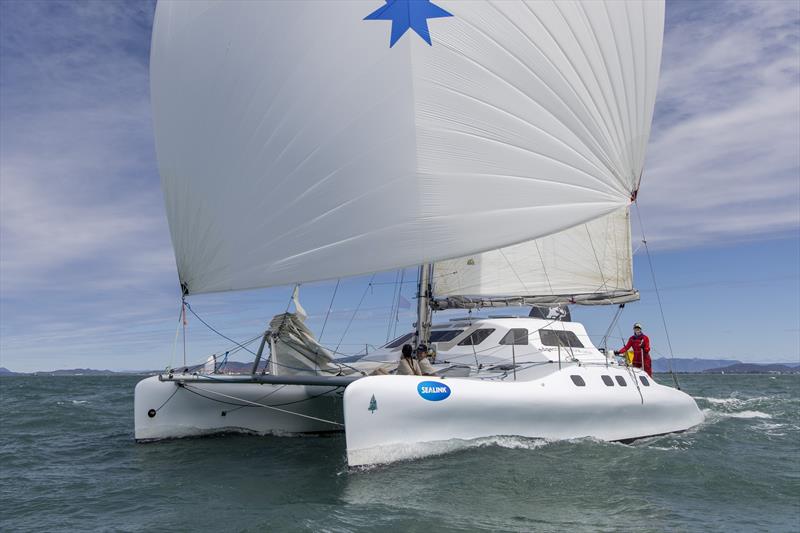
[6, 372]
[691, 365]
[754, 368]
[76, 372]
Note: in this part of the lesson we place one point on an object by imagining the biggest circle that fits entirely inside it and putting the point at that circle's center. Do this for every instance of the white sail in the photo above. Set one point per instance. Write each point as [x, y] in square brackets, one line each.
[590, 263]
[295, 144]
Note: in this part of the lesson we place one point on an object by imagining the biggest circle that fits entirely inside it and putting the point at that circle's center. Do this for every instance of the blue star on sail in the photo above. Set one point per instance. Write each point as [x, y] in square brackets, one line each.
[405, 14]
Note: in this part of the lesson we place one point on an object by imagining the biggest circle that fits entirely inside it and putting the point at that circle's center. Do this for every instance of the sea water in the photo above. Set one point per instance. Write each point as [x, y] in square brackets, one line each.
[68, 462]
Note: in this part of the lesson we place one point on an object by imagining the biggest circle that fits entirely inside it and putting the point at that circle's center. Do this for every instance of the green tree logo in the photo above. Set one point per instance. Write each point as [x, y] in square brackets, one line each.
[373, 405]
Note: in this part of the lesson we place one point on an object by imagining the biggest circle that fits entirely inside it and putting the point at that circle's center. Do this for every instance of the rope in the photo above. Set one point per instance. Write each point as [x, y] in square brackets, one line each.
[267, 406]
[168, 399]
[658, 298]
[206, 324]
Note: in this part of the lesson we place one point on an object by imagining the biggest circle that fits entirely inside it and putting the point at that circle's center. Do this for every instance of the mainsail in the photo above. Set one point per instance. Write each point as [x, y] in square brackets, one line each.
[589, 264]
[295, 144]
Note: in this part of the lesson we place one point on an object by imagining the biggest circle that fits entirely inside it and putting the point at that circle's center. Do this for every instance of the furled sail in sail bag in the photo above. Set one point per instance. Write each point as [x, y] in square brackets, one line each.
[300, 141]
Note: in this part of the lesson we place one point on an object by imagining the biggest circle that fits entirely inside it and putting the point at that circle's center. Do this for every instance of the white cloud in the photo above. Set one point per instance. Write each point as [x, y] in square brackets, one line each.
[78, 185]
[724, 158]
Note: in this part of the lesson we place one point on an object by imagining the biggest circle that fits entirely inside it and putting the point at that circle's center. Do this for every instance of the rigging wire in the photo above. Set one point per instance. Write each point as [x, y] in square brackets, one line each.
[175, 340]
[399, 299]
[183, 321]
[330, 306]
[658, 297]
[614, 320]
[187, 387]
[355, 311]
[395, 294]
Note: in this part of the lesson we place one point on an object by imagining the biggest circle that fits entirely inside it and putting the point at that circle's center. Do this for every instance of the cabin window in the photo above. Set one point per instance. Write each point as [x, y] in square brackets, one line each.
[577, 380]
[621, 381]
[400, 340]
[476, 337]
[608, 381]
[565, 339]
[516, 336]
[445, 335]
[644, 381]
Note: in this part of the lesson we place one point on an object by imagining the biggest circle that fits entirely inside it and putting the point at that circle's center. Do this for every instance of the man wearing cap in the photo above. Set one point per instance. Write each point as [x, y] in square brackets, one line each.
[425, 365]
[640, 344]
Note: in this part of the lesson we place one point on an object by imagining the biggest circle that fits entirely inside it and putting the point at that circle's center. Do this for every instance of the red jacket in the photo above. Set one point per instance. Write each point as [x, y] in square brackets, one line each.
[641, 351]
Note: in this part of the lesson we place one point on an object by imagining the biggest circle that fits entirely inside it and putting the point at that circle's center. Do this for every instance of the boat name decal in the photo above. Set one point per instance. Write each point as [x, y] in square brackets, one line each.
[433, 391]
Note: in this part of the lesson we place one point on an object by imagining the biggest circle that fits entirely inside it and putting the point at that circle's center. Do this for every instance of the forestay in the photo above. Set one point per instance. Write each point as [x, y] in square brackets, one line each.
[295, 144]
[587, 264]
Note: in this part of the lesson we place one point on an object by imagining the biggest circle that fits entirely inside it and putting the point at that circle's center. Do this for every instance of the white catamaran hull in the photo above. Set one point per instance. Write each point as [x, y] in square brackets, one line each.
[390, 418]
[174, 409]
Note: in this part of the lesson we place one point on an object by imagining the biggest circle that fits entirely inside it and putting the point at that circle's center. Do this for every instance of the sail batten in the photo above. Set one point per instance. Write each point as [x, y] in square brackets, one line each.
[296, 142]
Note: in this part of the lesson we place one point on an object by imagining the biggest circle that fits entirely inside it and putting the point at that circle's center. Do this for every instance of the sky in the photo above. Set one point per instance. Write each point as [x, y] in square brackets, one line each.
[87, 273]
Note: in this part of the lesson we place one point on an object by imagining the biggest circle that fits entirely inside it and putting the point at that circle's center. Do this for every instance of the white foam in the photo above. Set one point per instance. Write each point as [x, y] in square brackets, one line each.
[750, 414]
[721, 401]
[379, 455]
[733, 401]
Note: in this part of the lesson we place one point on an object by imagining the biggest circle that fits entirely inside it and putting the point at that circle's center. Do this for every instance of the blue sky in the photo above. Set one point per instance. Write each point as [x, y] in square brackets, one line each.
[87, 276]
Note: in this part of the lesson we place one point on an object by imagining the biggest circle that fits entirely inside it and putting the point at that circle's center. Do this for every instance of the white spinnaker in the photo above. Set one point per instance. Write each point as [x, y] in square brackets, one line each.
[588, 259]
[295, 145]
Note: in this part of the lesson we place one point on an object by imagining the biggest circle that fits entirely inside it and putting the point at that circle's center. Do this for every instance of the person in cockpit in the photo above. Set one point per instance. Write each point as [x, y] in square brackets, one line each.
[425, 366]
[408, 366]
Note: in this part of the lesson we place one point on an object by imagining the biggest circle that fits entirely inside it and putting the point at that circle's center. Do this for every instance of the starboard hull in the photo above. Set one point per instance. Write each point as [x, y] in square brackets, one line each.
[391, 418]
[194, 409]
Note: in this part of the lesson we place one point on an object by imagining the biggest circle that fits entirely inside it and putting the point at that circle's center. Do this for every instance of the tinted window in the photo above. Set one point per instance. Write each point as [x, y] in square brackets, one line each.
[621, 381]
[400, 340]
[445, 335]
[476, 337]
[644, 381]
[608, 381]
[577, 380]
[516, 336]
[552, 337]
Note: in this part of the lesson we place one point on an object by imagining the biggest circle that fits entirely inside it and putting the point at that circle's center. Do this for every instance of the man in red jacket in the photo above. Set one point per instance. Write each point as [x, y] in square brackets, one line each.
[640, 344]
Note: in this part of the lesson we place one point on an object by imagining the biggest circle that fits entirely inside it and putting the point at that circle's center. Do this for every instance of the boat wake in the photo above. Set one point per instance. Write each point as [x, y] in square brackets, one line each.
[381, 456]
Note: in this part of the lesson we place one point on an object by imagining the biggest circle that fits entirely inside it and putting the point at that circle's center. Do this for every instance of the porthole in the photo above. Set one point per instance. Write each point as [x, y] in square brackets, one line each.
[621, 381]
[608, 381]
[577, 380]
[645, 381]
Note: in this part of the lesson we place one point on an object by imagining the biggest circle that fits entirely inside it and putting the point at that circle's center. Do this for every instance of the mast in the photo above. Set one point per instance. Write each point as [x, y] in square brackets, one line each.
[423, 331]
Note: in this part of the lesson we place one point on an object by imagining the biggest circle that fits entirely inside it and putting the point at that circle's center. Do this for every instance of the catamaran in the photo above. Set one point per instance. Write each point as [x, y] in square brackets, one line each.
[497, 145]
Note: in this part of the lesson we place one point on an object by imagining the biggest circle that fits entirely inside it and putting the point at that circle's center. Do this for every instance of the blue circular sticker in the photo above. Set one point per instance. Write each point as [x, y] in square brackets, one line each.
[434, 391]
